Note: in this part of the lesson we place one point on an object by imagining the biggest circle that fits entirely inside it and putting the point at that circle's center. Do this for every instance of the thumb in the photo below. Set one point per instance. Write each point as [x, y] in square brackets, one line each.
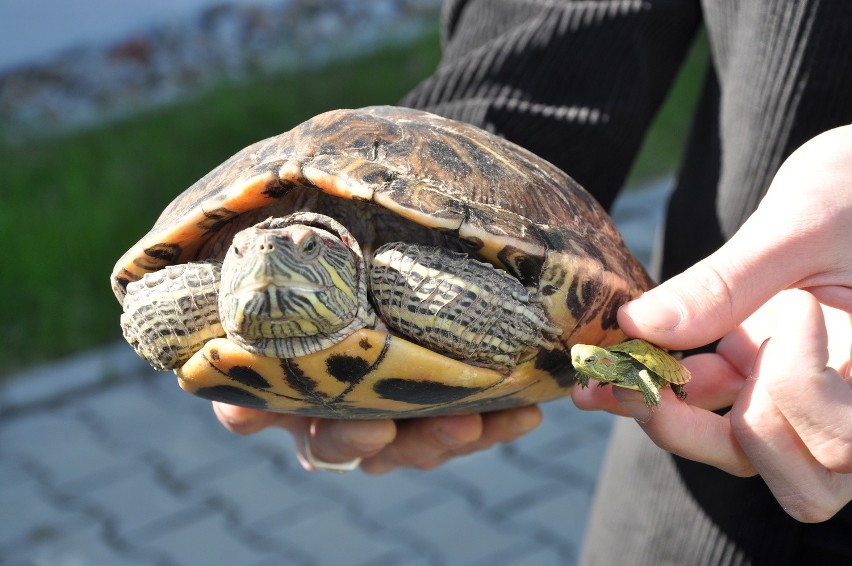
[714, 296]
[798, 237]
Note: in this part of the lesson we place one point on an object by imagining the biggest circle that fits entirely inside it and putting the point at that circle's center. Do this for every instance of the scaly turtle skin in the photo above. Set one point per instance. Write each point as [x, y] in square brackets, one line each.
[401, 177]
[634, 364]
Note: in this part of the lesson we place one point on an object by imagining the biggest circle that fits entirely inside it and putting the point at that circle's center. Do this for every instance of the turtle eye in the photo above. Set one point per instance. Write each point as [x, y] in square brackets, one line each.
[590, 360]
[236, 251]
[310, 246]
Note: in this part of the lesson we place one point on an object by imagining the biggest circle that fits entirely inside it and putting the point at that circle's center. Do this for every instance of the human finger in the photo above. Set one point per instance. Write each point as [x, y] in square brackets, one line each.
[242, 420]
[801, 484]
[339, 441]
[688, 431]
[812, 396]
[427, 443]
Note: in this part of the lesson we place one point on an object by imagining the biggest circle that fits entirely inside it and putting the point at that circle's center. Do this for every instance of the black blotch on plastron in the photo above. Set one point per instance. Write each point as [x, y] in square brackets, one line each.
[247, 376]
[214, 355]
[231, 395]
[347, 369]
[557, 363]
[422, 392]
[297, 379]
[364, 343]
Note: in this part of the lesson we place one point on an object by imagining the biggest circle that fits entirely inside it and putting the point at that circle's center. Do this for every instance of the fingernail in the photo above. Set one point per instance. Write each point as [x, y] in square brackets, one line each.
[365, 437]
[234, 416]
[446, 439]
[652, 312]
[755, 368]
[634, 404]
[523, 422]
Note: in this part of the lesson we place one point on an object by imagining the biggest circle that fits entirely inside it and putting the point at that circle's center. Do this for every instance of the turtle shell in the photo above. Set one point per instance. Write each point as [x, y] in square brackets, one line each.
[415, 176]
[655, 359]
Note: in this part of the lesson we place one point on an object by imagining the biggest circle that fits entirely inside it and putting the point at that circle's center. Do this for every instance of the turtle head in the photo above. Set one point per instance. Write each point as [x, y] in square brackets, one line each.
[284, 280]
[595, 363]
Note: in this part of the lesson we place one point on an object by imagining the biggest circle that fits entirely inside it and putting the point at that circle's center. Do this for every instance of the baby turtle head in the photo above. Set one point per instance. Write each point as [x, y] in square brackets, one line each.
[289, 288]
[592, 362]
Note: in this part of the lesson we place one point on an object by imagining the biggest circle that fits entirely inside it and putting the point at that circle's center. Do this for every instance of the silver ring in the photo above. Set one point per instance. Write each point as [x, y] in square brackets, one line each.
[317, 464]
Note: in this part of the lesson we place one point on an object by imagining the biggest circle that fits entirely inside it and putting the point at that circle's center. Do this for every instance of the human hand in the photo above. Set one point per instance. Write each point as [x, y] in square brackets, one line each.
[385, 444]
[791, 416]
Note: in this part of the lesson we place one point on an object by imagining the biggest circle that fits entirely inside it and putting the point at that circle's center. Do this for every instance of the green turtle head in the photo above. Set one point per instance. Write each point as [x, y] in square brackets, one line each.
[595, 363]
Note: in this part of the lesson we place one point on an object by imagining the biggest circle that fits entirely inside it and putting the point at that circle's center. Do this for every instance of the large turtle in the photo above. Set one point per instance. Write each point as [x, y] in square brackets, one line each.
[417, 266]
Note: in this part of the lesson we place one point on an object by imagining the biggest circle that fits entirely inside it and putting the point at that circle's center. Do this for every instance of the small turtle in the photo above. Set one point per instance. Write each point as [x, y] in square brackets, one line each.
[380, 262]
[634, 364]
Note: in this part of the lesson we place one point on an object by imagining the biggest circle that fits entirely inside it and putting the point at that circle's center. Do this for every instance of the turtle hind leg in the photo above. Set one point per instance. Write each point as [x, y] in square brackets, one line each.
[679, 391]
[457, 305]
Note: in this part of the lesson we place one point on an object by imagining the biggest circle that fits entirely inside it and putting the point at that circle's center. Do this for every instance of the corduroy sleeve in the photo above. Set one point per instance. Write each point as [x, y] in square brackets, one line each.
[576, 82]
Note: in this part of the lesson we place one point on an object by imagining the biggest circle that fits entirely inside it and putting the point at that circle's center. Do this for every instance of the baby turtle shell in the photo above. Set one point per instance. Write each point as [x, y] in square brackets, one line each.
[400, 175]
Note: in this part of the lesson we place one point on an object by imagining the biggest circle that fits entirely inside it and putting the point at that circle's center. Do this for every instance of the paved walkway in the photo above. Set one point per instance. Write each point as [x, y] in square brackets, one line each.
[104, 461]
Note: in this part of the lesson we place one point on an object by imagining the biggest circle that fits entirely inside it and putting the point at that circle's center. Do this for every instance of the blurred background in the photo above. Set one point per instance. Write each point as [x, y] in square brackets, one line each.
[107, 111]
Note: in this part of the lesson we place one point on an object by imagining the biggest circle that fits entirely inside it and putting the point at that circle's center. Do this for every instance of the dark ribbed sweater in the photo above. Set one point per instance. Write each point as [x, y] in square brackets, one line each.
[578, 83]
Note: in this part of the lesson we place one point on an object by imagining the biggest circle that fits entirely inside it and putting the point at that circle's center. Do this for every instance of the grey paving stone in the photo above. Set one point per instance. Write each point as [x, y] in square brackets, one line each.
[258, 492]
[192, 450]
[385, 499]
[493, 481]
[583, 459]
[460, 534]
[61, 446]
[11, 473]
[560, 516]
[80, 544]
[558, 443]
[332, 535]
[134, 413]
[28, 514]
[210, 539]
[533, 555]
[85, 371]
[135, 502]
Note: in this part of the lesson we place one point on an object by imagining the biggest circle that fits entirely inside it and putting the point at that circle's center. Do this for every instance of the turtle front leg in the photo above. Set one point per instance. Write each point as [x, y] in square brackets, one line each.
[647, 385]
[457, 305]
[170, 314]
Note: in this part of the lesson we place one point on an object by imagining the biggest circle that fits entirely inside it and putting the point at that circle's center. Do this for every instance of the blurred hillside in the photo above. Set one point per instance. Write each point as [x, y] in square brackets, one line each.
[64, 66]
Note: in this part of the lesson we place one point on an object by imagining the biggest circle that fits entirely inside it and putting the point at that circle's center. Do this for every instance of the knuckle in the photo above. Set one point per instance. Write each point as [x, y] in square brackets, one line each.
[741, 469]
[835, 454]
[816, 507]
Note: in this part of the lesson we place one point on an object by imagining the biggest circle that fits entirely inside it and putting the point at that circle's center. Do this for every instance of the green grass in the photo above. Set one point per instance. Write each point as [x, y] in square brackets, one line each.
[71, 205]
